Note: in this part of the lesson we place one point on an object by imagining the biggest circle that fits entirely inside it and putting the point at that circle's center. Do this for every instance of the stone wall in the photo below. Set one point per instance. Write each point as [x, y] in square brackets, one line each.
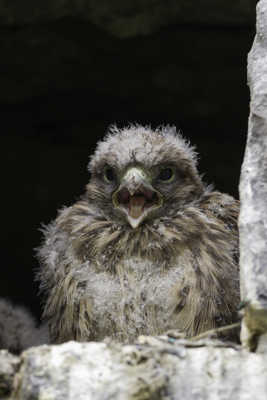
[253, 192]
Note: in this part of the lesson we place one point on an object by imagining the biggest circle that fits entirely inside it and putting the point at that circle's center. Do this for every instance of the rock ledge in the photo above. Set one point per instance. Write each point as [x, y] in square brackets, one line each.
[155, 368]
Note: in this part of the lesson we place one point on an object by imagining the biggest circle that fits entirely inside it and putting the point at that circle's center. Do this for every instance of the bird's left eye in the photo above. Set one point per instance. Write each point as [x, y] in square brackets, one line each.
[109, 174]
[166, 175]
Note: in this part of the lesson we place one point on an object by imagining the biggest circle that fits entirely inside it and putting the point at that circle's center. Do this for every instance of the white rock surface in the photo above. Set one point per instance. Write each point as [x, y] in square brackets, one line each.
[253, 192]
[99, 371]
[9, 365]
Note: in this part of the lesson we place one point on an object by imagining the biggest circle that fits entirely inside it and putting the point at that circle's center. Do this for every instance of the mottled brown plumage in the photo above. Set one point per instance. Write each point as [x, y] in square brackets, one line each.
[148, 247]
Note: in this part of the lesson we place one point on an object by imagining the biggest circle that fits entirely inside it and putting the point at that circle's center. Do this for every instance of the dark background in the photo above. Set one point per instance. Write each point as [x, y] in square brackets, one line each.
[66, 75]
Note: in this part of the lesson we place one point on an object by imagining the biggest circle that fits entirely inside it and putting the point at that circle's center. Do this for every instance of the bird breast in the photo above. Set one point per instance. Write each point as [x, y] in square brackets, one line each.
[136, 300]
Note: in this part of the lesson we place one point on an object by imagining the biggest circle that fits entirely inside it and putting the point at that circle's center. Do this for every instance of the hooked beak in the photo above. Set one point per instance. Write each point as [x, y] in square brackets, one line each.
[136, 197]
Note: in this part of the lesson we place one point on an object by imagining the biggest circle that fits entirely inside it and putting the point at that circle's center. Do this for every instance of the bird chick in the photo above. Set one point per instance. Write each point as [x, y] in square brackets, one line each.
[18, 328]
[148, 247]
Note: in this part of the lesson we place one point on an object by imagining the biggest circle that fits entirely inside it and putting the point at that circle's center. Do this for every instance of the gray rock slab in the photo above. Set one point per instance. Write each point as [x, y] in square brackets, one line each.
[159, 370]
[253, 192]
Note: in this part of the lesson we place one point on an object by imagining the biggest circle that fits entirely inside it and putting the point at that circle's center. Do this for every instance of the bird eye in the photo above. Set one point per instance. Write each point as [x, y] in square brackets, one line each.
[109, 174]
[166, 175]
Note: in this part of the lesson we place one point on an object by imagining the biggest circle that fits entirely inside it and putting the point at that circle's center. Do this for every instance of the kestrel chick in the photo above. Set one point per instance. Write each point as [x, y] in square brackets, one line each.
[18, 329]
[146, 249]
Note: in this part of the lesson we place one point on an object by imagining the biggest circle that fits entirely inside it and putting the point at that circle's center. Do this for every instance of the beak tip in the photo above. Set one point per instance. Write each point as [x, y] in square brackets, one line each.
[134, 222]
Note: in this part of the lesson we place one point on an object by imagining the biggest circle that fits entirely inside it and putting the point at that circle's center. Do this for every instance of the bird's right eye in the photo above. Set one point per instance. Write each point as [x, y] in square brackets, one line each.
[166, 175]
[109, 174]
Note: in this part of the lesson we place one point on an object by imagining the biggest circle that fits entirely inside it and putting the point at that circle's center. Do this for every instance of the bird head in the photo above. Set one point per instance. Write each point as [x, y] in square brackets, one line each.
[139, 174]
[136, 197]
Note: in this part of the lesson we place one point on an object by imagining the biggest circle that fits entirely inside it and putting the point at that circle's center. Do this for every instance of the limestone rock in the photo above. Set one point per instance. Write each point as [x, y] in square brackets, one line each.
[156, 369]
[9, 365]
[253, 192]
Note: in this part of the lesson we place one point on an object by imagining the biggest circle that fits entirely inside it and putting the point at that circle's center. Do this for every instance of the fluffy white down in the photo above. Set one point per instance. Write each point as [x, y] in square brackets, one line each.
[128, 140]
[18, 329]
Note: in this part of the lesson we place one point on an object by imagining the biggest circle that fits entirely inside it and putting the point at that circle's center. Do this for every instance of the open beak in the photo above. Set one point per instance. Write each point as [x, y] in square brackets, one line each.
[136, 197]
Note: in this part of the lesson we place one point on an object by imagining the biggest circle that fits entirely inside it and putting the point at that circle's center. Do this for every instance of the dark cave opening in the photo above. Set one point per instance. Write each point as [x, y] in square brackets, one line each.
[63, 83]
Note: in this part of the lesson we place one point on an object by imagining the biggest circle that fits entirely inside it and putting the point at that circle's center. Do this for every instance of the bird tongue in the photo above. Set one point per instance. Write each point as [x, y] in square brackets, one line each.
[136, 206]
